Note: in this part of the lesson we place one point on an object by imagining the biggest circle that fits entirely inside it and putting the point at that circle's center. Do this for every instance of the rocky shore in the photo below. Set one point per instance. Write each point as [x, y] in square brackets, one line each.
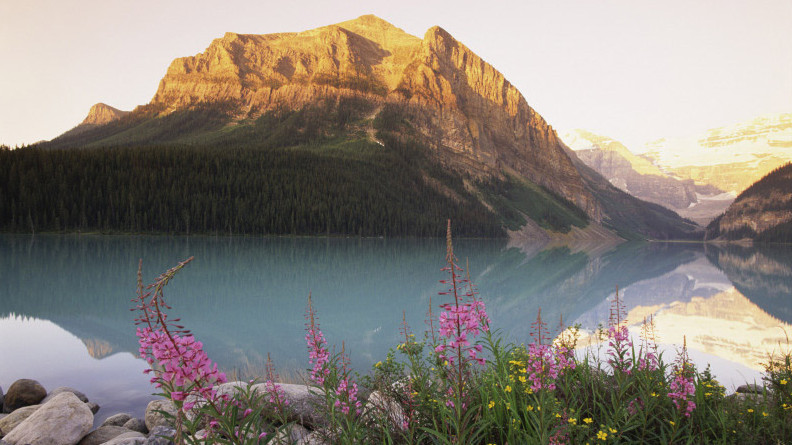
[64, 416]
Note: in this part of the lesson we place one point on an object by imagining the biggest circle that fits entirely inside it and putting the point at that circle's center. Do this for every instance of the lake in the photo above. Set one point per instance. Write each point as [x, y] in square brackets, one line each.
[65, 299]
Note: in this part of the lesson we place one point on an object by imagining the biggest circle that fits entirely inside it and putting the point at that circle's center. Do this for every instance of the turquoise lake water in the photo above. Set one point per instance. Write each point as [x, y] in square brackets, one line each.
[65, 299]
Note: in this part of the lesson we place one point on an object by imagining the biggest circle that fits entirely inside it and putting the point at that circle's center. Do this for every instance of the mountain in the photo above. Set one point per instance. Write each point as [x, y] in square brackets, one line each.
[730, 158]
[763, 212]
[633, 174]
[99, 114]
[394, 116]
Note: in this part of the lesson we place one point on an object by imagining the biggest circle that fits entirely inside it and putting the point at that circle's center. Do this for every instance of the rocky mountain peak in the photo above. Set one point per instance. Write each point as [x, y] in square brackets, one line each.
[101, 114]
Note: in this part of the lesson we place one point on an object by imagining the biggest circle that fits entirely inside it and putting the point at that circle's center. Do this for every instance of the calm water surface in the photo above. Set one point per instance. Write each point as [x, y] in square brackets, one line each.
[65, 319]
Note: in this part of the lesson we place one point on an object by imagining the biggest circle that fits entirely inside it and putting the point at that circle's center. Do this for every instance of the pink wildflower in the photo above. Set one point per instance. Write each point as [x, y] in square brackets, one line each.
[682, 387]
[318, 355]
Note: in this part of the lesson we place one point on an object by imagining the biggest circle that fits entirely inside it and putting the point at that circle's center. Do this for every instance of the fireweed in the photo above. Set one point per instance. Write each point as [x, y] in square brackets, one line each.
[185, 375]
[469, 386]
[332, 375]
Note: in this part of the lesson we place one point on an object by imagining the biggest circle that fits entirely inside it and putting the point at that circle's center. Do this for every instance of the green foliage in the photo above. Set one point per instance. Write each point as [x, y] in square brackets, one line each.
[514, 198]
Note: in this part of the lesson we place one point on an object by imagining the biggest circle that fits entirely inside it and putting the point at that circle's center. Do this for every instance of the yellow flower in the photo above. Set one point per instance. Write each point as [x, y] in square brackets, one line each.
[671, 422]
[529, 408]
[508, 405]
[558, 415]
[602, 435]
[573, 421]
[750, 410]
[588, 420]
[508, 388]
[783, 382]
[491, 404]
[764, 414]
[445, 363]
[522, 379]
[613, 431]
[654, 394]
[378, 364]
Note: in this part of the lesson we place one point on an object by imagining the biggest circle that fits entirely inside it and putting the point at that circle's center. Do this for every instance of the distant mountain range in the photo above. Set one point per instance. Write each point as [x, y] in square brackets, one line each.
[353, 128]
[696, 177]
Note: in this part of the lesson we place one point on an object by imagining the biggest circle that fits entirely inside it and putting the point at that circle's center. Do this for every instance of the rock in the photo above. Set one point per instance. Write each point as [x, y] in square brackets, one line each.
[315, 438]
[159, 435]
[290, 434]
[379, 406]
[117, 420]
[103, 434]
[154, 417]
[130, 438]
[750, 388]
[61, 389]
[8, 422]
[64, 420]
[2, 397]
[302, 403]
[136, 424]
[23, 392]
[93, 407]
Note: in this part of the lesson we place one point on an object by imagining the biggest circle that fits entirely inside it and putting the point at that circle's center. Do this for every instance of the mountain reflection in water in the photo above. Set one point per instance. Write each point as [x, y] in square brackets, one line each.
[244, 297]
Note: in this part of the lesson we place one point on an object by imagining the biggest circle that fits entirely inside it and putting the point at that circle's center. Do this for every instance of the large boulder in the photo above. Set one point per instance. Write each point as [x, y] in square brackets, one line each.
[130, 438]
[23, 392]
[303, 403]
[155, 416]
[117, 420]
[159, 435]
[61, 389]
[64, 420]
[136, 424]
[10, 421]
[103, 434]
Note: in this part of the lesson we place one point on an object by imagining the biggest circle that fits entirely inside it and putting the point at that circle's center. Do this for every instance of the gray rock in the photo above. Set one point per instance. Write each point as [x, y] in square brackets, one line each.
[159, 434]
[61, 389]
[154, 417]
[10, 421]
[23, 392]
[750, 388]
[136, 424]
[130, 438]
[303, 402]
[315, 438]
[288, 435]
[381, 406]
[103, 434]
[64, 420]
[93, 407]
[117, 420]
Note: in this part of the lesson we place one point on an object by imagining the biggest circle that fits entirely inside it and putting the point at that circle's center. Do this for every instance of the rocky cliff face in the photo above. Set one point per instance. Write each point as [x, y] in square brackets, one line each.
[635, 175]
[102, 113]
[472, 117]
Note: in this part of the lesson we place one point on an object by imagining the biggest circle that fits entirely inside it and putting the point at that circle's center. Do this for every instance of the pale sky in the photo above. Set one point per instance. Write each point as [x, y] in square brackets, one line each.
[633, 70]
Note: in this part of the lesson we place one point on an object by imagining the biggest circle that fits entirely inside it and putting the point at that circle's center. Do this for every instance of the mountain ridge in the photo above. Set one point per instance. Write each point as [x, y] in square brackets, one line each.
[367, 80]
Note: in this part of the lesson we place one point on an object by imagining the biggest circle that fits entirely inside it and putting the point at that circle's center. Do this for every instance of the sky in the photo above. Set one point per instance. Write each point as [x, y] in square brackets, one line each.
[632, 70]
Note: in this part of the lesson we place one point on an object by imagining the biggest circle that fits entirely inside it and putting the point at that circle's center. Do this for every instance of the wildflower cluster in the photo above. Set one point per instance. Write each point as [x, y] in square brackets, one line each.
[318, 355]
[682, 388]
[461, 320]
[180, 366]
[619, 341]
